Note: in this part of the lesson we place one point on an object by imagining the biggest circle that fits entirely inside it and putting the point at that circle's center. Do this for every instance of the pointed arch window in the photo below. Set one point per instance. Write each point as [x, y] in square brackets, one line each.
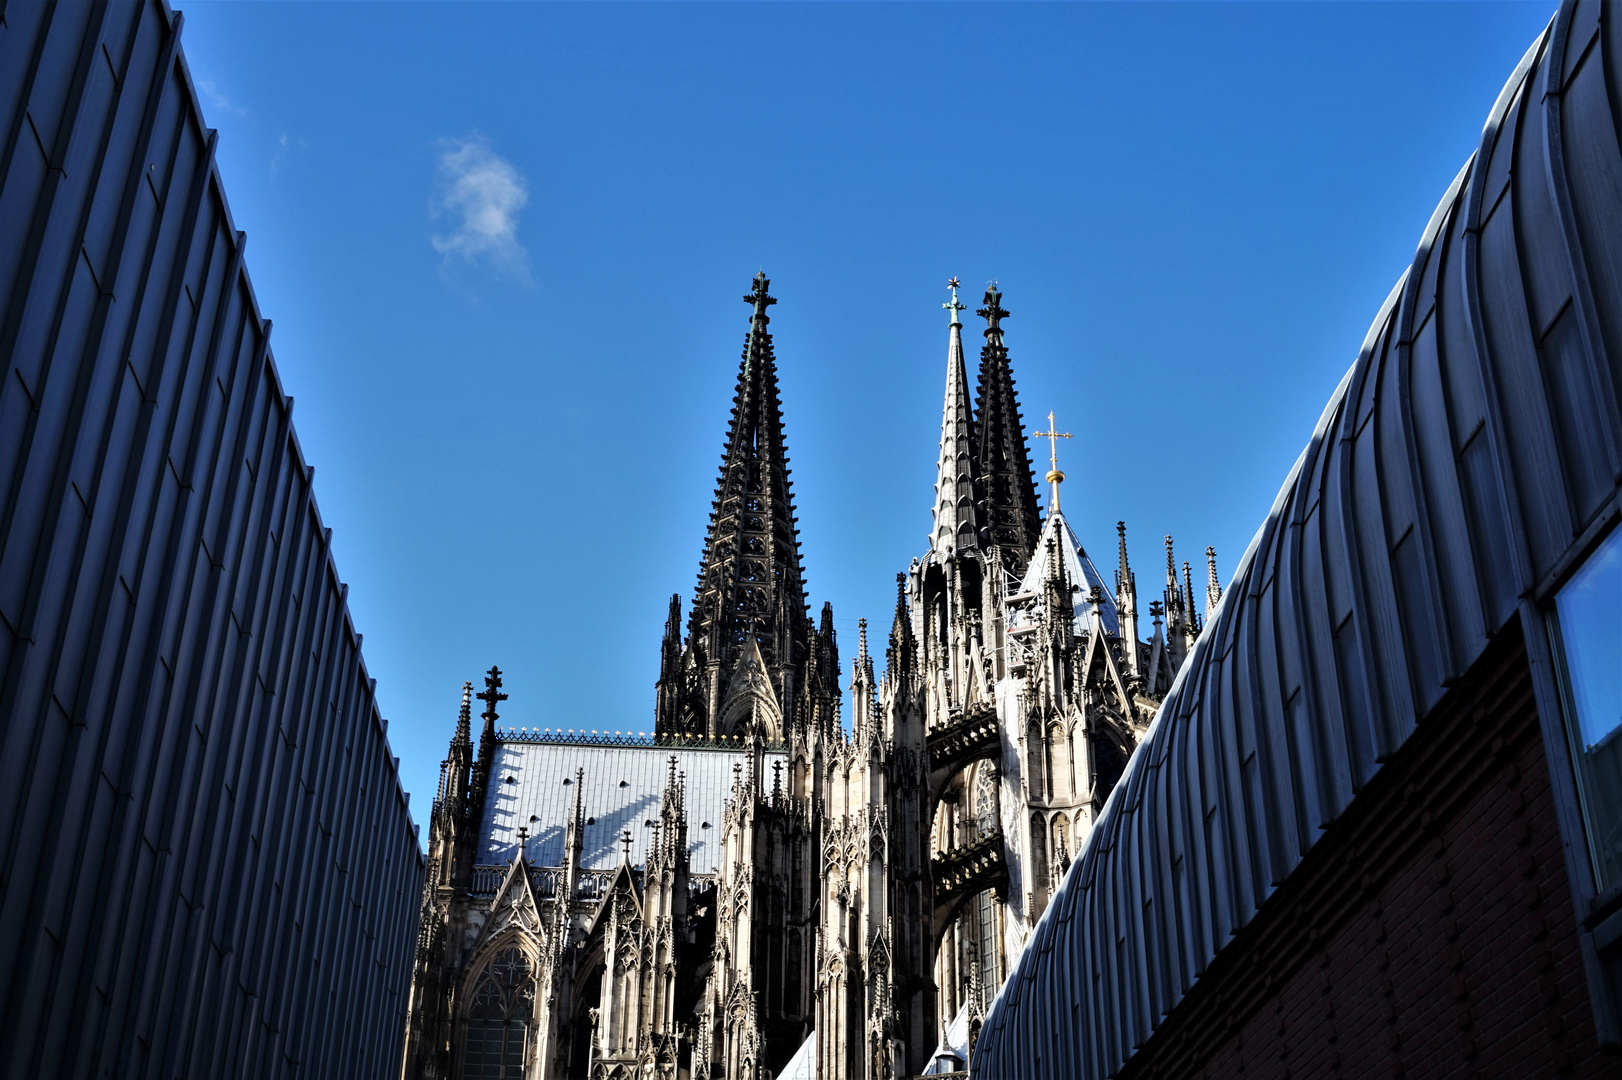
[1039, 859]
[1058, 762]
[500, 1019]
[1061, 847]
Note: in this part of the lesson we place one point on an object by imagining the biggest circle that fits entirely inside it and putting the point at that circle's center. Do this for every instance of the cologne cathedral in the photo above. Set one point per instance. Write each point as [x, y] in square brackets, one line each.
[789, 879]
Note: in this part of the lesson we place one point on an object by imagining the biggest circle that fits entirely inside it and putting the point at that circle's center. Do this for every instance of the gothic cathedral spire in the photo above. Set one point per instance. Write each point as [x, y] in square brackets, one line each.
[751, 590]
[1004, 464]
[954, 527]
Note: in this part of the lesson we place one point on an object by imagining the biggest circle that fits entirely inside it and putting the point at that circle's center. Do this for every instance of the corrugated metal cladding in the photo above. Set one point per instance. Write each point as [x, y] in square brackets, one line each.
[623, 788]
[208, 865]
[1470, 454]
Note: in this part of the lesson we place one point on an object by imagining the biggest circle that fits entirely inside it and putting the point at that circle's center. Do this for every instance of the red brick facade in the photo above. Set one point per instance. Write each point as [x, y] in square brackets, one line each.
[1428, 934]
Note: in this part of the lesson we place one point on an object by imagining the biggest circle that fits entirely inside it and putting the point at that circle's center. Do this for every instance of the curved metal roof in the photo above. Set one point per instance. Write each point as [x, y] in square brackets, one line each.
[1469, 455]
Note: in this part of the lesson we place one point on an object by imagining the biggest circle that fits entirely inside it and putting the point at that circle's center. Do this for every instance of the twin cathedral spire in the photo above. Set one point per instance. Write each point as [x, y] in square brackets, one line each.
[750, 651]
[984, 491]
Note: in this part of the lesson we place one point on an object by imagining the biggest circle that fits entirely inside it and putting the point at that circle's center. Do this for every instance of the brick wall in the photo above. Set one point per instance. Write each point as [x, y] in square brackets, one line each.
[1429, 933]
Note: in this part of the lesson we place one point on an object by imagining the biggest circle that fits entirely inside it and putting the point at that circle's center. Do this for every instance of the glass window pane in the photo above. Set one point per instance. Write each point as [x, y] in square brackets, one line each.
[1589, 614]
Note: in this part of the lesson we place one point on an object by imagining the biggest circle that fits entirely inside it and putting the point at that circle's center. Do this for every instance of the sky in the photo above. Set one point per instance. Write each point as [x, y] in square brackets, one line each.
[504, 248]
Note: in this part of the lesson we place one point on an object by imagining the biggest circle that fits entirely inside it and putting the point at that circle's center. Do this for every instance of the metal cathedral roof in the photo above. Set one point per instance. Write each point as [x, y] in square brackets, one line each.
[532, 786]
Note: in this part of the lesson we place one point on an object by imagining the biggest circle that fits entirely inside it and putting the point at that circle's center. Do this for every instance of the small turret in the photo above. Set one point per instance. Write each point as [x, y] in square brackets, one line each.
[901, 659]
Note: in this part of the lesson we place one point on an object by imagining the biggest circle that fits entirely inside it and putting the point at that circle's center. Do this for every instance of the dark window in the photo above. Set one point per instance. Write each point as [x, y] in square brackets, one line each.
[791, 972]
[1588, 637]
[988, 951]
[498, 1019]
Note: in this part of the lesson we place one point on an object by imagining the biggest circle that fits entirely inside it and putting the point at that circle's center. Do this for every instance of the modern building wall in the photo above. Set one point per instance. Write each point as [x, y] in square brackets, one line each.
[1348, 746]
[1428, 934]
[207, 866]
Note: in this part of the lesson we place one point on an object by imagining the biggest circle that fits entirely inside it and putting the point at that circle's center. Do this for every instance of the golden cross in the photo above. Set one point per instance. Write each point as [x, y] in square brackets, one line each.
[1053, 435]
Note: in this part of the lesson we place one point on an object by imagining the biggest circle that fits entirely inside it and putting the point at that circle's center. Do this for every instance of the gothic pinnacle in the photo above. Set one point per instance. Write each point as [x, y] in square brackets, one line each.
[1123, 574]
[487, 743]
[1213, 587]
[902, 656]
[1126, 603]
[1188, 594]
[464, 719]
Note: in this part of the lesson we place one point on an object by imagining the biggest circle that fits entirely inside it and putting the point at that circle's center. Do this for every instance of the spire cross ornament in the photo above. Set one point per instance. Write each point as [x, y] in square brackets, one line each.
[492, 694]
[953, 306]
[1055, 477]
[760, 298]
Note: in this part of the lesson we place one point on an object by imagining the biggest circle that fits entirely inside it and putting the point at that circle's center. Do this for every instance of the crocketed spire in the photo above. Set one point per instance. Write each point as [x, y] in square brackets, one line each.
[1213, 584]
[1003, 466]
[955, 527]
[902, 656]
[750, 581]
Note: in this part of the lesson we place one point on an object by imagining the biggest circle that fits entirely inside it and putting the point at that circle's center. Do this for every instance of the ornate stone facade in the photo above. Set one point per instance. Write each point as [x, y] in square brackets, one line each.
[868, 875]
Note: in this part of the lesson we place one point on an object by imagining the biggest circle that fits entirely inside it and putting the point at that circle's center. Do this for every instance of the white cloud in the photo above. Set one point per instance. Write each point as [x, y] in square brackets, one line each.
[217, 99]
[284, 147]
[481, 193]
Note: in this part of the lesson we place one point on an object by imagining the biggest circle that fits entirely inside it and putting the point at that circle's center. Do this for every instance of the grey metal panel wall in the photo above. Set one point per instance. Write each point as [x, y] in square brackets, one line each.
[1470, 453]
[207, 867]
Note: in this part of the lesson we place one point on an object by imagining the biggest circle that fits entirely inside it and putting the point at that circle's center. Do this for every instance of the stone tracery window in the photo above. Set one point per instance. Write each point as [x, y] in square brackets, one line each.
[985, 798]
[500, 1018]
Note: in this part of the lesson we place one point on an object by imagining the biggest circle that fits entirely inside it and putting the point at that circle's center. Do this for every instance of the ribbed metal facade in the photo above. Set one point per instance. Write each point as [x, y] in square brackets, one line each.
[207, 867]
[1469, 457]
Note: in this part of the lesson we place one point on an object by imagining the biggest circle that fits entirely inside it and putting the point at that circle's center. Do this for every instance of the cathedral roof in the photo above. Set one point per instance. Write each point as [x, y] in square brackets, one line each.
[622, 789]
[1078, 568]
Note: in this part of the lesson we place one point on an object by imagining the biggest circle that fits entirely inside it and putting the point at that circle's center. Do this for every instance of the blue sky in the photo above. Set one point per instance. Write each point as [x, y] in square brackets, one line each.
[504, 248]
